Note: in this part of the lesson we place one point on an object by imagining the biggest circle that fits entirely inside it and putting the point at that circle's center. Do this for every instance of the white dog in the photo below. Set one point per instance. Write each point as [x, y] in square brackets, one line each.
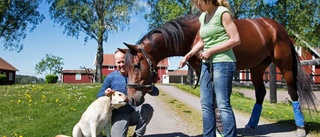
[98, 116]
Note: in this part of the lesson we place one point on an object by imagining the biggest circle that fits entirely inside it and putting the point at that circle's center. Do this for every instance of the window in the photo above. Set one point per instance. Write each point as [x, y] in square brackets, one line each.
[111, 68]
[78, 76]
[10, 76]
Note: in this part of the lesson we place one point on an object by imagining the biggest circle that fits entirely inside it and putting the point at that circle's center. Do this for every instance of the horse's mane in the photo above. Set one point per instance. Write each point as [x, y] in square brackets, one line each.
[174, 33]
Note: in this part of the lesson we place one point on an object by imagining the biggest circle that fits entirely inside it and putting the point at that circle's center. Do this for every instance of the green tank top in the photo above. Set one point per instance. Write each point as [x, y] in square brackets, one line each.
[213, 34]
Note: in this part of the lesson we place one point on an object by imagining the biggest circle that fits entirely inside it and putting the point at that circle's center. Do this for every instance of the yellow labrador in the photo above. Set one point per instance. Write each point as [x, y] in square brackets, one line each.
[98, 116]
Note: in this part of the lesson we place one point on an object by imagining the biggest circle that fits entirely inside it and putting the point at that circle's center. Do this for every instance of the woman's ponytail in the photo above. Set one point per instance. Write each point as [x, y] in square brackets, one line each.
[224, 3]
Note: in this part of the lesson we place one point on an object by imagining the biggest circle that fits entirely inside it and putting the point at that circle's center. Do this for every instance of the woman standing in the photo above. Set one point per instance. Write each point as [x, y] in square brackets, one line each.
[219, 35]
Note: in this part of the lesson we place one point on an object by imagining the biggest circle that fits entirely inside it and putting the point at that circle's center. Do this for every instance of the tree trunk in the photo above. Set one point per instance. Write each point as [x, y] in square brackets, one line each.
[99, 59]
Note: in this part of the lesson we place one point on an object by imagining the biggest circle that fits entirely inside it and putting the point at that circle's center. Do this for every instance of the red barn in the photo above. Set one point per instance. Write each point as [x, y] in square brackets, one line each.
[9, 71]
[76, 76]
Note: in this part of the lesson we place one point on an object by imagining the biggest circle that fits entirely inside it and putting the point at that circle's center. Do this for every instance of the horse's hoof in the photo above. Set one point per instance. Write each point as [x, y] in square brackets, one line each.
[248, 132]
[301, 132]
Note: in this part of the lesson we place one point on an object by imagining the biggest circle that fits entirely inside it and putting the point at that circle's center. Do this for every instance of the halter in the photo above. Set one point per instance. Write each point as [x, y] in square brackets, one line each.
[152, 73]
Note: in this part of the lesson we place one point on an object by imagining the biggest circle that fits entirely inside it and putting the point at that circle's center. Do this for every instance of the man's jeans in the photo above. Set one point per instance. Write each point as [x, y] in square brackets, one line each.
[140, 117]
[216, 86]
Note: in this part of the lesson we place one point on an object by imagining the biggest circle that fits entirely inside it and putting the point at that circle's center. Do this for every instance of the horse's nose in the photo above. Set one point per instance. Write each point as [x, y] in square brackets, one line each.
[126, 99]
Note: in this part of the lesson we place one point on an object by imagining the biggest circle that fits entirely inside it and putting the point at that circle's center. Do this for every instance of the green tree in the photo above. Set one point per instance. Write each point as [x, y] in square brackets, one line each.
[50, 63]
[163, 11]
[95, 18]
[300, 17]
[17, 17]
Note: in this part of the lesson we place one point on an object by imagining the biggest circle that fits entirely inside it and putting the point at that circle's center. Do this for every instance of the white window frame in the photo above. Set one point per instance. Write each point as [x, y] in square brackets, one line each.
[110, 67]
[78, 76]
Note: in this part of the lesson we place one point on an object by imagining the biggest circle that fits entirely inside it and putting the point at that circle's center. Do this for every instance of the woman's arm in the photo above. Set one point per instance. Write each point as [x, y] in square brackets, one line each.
[195, 50]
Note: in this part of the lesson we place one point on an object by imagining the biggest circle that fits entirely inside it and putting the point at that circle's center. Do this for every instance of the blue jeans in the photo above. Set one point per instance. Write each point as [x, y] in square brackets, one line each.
[140, 117]
[217, 89]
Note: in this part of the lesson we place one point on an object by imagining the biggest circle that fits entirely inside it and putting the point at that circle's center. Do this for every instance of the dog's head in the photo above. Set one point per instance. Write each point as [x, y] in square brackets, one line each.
[118, 99]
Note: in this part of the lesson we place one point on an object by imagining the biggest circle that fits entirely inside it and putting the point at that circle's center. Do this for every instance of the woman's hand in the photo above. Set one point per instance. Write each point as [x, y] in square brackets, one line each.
[205, 55]
[183, 62]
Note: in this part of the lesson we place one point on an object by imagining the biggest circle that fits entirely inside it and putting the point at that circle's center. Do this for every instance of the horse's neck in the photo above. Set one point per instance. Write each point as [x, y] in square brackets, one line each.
[165, 52]
[190, 38]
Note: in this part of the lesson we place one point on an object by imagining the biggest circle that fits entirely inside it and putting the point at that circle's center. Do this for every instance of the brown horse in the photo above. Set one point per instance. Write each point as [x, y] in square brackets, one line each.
[263, 41]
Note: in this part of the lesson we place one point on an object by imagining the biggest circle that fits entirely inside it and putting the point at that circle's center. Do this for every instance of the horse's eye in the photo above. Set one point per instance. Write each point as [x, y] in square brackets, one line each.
[136, 66]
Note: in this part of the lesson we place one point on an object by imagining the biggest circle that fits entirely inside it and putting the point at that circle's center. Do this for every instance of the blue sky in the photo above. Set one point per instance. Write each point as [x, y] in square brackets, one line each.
[48, 38]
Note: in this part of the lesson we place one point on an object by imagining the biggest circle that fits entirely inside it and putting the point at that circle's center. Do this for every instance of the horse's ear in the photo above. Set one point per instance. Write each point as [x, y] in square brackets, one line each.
[124, 51]
[133, 48]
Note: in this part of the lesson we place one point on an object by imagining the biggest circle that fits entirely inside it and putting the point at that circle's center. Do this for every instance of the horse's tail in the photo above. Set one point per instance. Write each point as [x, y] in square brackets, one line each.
[303, 82]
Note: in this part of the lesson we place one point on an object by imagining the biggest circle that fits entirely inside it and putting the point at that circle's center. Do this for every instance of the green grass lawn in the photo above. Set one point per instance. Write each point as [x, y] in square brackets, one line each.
[45, 110]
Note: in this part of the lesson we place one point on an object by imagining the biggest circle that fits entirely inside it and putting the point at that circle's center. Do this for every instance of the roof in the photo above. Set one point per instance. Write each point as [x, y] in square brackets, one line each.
[6, 66]
[74, 71]
[163, 63]
[177, 72]
[108, 60]
[318, 51]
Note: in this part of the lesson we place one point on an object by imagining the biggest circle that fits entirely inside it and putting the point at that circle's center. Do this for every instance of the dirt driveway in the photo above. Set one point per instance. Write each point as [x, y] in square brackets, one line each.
[165, 123]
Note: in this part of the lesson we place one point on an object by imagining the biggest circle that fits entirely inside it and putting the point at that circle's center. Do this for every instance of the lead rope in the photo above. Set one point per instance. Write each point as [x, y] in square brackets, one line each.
[211, 75]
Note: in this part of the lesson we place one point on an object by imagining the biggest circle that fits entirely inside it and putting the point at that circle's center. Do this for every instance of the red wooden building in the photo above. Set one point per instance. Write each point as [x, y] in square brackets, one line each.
[9, 71]
[76, 76]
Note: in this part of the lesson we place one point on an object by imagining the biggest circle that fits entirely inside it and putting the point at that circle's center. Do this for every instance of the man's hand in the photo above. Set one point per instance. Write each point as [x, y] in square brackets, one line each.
[109, 92]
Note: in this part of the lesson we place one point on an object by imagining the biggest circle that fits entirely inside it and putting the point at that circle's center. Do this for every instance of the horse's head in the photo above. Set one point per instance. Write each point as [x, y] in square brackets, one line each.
[142, 73]
[174, 38]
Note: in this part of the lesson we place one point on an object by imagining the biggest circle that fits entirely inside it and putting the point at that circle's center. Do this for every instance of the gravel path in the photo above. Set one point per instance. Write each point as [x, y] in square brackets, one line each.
[165, 123]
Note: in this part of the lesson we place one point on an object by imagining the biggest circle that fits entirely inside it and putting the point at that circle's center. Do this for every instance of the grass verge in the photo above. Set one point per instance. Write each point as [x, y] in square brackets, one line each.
[43, 110]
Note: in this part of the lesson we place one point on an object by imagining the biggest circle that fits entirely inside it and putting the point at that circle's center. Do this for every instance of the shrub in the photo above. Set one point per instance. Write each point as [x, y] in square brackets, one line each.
[103, 77]
[51, 78]
[3, 79]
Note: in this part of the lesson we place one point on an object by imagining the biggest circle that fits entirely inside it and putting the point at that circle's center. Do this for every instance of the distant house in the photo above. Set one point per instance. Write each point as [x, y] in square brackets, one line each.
[77, 76]
[9, 71]
[109, 65]
[176, 76]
